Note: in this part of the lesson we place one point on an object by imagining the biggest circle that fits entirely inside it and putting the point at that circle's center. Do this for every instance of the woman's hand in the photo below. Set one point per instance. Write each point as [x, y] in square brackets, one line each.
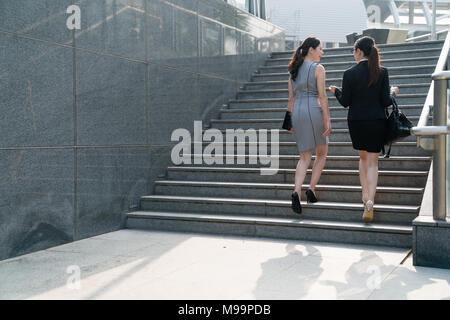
[327, 126]
[332, 89]
[394, 91]
[291, 131]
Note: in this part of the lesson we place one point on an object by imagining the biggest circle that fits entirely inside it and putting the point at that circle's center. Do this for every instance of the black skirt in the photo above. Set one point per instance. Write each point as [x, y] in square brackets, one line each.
[367, 135]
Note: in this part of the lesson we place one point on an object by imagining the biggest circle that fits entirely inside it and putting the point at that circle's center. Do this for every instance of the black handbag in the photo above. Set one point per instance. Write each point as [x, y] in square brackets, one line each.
[397, 128]
[287, 123]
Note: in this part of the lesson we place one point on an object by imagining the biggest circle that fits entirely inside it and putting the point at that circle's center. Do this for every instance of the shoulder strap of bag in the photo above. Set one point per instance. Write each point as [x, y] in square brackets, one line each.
[394, 110]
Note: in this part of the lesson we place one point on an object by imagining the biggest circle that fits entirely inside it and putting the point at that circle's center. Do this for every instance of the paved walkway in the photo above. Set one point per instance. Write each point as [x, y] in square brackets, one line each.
[132, 264]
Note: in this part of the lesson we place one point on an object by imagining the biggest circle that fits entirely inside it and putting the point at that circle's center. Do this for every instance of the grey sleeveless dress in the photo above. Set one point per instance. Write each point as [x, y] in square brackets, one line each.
[307, 119]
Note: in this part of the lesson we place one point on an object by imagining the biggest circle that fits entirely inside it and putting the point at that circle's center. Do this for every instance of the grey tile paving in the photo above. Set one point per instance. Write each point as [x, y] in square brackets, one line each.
[135, 264]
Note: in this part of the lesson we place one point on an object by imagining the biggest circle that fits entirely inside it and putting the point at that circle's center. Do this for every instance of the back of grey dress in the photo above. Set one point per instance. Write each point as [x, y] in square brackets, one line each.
[307, 119]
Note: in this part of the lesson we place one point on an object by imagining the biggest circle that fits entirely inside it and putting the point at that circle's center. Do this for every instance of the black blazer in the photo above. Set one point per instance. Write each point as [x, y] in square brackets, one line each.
[366, 103]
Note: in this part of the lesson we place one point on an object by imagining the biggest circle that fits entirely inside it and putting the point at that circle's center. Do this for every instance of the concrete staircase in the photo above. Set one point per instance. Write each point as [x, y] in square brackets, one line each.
[236, 199]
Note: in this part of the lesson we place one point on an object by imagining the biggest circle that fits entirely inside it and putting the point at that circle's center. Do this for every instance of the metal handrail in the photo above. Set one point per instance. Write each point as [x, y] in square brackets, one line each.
[425, 36]
[422, 128]
[437, 96]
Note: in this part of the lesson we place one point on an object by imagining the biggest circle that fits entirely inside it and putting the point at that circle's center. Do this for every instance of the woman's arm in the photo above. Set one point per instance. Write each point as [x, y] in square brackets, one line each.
[323, 98]
[291, 96]
[344, 96]
[386, 100]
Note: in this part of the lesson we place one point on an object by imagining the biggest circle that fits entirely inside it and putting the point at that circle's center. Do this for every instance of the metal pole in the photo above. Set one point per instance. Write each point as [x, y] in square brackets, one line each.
[411, 12]
[395, 14]
[440, 146]
[433, 24]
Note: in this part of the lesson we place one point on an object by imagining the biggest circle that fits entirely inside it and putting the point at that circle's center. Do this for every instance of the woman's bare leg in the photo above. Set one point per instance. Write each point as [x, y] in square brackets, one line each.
[319, 164]
[372, 175]
[302, 168]
[363, 174]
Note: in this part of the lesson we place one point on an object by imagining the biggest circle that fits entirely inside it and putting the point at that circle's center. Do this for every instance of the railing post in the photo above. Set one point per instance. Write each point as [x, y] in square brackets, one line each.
[433, 23]
[439, 153]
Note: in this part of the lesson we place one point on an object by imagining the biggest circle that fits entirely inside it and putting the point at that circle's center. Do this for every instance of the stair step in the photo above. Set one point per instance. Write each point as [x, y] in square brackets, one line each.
[338, 135]
[276, 123]
[428, 69]
[267, 113]
[280, 191]
[402, 99]
[284, 93]
[394, 54]
[334, 211]
[332, 162]
[298, 229]
[394, 80]
[290, 148]
[387, 178]
[388, 63]
[436, 44]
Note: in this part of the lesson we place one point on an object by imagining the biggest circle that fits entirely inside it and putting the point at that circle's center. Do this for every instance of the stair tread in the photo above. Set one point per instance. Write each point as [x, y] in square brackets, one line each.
[391, 77]
[288, 143]
[287, 90]
[331, 157]
[349, 55]
[284, 131]
[281, 109]
[405, 95]
[281, 119]
[284, 185]
[321, 204]
[353, 62]
[393, 45]
[342, 70]
[360, 226]
[247, 169]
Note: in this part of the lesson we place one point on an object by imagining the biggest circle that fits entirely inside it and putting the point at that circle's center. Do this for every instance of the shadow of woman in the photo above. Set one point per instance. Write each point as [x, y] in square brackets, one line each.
[369, 276]
[289, 277]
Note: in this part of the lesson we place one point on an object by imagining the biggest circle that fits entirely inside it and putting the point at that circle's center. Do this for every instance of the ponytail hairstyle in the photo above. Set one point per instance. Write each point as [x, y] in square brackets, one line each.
[299, 55]
[368, 47]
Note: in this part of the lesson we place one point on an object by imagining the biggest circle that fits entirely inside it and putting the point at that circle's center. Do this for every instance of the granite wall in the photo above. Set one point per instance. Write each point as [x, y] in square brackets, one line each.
[86, 115]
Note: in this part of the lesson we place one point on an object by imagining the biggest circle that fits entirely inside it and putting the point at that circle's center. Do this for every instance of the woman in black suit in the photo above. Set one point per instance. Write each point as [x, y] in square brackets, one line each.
[365, 89]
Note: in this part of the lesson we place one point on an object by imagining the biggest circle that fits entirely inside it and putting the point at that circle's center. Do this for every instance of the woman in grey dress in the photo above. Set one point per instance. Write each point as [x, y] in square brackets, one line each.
[308, 104]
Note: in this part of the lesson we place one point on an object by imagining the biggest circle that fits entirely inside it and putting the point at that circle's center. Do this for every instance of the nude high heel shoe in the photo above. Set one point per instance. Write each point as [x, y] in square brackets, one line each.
[368, 211]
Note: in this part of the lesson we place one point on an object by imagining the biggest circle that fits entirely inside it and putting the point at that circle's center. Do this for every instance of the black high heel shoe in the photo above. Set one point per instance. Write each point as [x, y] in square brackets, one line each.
[296, 206]
[310, 197]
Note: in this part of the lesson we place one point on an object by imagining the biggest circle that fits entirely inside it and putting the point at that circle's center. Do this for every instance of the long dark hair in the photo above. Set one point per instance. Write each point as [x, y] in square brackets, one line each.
[368, 46]
[299, 55]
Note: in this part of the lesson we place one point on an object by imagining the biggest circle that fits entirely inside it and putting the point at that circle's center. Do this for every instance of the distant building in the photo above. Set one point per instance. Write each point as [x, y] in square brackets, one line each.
[332, 20]
[329, 20]
[256, 7]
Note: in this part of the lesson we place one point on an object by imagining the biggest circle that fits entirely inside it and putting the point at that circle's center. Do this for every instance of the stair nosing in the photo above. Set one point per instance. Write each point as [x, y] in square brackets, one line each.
[391, 45]
[325, 64]
[397, 76]
[281, 119]
[387, 209]
[412, 85]
[282, 109]
[329, 171]
[289, 143]
[318, 224]
[409, 190]
[349, 55]
[332, 157]
[405, 95]
[379, 46]
[343, 70]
